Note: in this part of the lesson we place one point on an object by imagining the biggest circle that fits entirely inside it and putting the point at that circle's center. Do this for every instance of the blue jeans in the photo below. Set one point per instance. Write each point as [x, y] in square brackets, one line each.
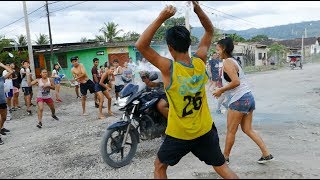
[245, 104]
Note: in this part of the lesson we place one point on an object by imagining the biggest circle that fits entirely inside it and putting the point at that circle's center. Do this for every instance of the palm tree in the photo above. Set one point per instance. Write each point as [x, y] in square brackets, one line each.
[22, 40]
[100, 38]
[43, 39]
[110, 31]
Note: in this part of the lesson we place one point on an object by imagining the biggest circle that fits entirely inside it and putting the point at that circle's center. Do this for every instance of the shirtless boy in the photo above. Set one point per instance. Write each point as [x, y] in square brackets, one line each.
[79, 73]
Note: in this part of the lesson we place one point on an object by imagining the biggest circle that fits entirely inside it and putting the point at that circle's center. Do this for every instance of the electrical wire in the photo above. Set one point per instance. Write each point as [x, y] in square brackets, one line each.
[251, 23]
[21, 17]
[68, 6]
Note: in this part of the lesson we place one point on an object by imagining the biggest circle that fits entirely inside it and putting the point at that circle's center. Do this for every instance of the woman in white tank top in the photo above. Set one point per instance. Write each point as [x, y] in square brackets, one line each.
[241, 103]
[44, 96]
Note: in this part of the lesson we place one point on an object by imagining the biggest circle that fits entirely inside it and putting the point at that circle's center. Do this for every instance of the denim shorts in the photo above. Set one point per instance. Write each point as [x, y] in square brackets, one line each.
[57, 80]
[245, 104]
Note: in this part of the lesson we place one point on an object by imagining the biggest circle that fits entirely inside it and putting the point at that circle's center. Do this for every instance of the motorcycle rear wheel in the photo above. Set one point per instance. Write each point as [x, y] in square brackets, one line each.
[111, 145]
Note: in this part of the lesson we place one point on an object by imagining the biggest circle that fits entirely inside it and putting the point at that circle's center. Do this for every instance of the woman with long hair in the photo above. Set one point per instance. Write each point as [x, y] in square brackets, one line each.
[57, 80]
[45, 84]
[241, 102]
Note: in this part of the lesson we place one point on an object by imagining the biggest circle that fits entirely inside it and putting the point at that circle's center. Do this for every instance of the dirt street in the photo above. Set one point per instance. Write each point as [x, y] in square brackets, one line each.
[286, 117]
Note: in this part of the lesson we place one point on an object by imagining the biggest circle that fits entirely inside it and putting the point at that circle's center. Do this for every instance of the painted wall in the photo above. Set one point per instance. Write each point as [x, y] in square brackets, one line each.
[85, 57]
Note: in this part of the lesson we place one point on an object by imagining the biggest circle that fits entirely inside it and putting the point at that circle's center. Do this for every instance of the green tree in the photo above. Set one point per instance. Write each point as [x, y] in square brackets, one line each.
[217, 35]
[236, 38]
[43, 39]
[259, 38]
[83, 39]
[131, 36]
[17, 57]
[4, 42]
[100, 38]
[110, 31]
[278, 51]
[22, 40]
[161, 32]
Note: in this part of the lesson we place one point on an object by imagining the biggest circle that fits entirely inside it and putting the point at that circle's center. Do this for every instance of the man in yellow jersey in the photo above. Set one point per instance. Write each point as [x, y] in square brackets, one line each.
[190, 126]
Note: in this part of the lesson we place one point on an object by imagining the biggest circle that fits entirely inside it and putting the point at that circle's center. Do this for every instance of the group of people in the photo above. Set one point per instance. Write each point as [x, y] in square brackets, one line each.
[101, 84]
[104, 78]
[10, 83]
[190, 127]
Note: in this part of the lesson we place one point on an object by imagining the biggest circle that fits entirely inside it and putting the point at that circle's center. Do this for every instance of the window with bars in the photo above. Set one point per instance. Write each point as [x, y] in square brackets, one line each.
[62, 59]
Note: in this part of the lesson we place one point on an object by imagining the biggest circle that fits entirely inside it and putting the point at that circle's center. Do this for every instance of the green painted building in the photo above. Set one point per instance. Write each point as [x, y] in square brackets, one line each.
[105, 52]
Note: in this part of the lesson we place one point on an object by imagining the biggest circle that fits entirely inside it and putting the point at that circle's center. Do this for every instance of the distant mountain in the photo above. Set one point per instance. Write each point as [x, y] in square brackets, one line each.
[289, 31]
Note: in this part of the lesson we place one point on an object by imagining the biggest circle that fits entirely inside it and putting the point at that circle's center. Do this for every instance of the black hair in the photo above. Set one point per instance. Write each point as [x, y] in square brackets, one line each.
[54, 66]
[74, 58]
[116, 60]
[227, 45]
[24, 61]
[106, 64]
[101, 66]
[178, 37]
[42, 69]
[95, 59]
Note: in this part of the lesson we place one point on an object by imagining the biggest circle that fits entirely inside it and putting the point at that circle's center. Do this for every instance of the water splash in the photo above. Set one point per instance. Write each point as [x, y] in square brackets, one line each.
[181, 6]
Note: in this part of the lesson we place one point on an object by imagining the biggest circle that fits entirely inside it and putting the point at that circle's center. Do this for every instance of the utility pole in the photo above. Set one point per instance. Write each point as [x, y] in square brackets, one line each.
[305, 32]
[51, 48]
[302, 50]
[187, 21]
[30, 52]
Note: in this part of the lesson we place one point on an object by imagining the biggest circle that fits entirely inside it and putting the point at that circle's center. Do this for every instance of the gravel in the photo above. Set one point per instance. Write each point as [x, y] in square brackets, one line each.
[69, 148]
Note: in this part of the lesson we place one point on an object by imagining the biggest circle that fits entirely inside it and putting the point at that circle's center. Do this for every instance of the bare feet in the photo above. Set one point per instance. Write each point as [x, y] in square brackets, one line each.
[110, 113]
[102, 117]
[85, 114]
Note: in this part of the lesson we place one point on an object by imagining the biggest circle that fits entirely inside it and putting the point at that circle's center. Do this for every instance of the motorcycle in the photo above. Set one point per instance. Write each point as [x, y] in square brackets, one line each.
[295, 61]
[140, 121]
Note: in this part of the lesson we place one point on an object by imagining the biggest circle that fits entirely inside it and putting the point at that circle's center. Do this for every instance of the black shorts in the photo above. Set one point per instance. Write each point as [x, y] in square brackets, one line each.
[27, 90]
[118, 88]
[164, 97]
[3, 106]
[205, 147]
[98, 88]
[84, 87]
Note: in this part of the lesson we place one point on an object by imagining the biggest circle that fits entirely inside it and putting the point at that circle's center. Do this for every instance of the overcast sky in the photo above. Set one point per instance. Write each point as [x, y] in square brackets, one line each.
[72, 20]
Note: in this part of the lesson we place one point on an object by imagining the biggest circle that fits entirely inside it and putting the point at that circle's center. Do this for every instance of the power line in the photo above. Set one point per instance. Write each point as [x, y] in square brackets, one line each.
[54, 2]
[229, 15]
[133, 4]
[21, 26]
[68, 6]
[21, 18]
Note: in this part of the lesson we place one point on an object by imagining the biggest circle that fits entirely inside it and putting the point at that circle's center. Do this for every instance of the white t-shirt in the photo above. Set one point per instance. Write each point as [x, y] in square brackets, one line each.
[24, 82]
[8, 82]
[54, 72]
[117, 77]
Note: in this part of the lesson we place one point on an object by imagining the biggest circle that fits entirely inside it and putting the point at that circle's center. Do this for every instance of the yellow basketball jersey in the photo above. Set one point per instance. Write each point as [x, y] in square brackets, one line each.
[189, 116]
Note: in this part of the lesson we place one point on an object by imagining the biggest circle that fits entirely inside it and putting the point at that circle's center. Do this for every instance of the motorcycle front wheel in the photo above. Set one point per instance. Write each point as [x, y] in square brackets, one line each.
[112, 152]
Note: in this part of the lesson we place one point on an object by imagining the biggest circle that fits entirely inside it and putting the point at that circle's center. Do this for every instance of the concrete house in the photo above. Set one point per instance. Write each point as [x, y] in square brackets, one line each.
[310, 45]
[253, 54]
[105, 52]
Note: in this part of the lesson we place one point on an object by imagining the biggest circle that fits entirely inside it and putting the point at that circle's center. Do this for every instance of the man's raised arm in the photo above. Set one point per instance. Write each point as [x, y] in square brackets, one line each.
[143, 43]
[205, 42]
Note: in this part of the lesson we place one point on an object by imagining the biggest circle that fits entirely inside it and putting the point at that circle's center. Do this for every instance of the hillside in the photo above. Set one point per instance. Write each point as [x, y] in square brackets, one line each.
[289, 31]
